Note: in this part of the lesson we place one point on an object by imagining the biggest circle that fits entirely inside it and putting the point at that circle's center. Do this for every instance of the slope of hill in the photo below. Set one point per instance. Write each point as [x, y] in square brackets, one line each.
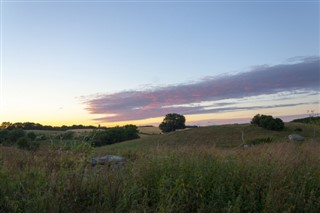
[196, 170]
[224, 136]
[308, 120]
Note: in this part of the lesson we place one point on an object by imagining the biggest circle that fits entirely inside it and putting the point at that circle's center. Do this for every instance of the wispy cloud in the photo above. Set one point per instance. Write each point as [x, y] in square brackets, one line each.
[188, 98]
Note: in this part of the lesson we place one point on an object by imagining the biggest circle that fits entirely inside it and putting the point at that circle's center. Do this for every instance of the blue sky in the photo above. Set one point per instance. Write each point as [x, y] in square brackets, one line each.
[61, 57]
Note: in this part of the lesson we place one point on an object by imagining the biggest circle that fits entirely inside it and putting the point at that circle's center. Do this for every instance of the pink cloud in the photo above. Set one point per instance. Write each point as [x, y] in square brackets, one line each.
[136, 105]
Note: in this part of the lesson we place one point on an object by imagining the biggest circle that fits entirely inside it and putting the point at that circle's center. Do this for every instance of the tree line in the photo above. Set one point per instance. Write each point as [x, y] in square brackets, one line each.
[98, 137]
[37, 126]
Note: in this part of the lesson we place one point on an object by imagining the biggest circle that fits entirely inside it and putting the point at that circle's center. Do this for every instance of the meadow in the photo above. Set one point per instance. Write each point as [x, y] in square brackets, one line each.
[197, 170]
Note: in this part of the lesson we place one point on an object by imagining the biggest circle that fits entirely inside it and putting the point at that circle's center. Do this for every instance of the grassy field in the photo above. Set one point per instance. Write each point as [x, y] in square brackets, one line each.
[197, 170]
[149, 130]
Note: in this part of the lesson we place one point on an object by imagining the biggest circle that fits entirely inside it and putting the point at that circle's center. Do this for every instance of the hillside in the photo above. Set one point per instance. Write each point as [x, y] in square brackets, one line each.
[223, 136]
[308, 120]
[194, 170]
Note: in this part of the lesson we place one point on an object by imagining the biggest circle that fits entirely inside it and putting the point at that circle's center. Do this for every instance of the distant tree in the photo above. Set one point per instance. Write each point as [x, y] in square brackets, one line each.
[172, 122]
[5, 125]
[268, 122]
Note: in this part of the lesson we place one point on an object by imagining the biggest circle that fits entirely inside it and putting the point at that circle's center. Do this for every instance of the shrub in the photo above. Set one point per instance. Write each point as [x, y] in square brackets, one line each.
[68, 135]
[15, 134]
[31, 135]
[114, 135]
[4, 136]
[25, 143]
[268, 122]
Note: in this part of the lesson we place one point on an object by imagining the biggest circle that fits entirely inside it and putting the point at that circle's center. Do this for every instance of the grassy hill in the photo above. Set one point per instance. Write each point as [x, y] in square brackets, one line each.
[223, 136]
[308, 120]
[196, 170]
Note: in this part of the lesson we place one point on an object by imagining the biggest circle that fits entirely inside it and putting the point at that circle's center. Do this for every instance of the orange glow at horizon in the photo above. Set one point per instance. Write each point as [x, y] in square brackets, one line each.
[75, 115]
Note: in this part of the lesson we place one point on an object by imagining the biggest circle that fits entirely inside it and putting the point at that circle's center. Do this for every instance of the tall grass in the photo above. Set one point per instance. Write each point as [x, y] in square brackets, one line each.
[274, 177]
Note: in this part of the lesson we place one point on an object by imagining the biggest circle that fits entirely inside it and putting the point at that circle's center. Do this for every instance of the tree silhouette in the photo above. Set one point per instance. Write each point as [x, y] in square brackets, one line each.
[172, 122]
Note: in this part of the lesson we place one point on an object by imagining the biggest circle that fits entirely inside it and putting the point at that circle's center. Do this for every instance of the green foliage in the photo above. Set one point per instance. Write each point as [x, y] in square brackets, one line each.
[172, 122]
[20, 138]
[31, 135]
[268, 122]
[4, 135]
[37, 126]
[114, 135]
[23, 143]
[27, 144]
[68, 135]
[15, 134]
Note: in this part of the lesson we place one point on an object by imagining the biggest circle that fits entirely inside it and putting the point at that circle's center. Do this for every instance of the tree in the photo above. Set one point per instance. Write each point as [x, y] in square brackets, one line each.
[172, 122]
[268, 122]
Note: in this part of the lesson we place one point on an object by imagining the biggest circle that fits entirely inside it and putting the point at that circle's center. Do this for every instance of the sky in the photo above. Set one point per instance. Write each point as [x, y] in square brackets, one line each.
[119, 62]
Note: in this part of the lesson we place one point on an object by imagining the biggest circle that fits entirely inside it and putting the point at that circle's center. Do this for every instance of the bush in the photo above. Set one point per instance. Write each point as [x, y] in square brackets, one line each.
[4, 136]
[25, 143]
[268, 122]
[68, 135]
[114, 135]
[15, 134]
[31, 135]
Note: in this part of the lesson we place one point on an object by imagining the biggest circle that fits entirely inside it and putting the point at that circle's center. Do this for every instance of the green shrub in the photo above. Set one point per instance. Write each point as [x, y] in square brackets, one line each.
[114, 135]
[4, 135]
[68, 135]
[268, 122]
[15, 134]
[31, 135]
[25, 143]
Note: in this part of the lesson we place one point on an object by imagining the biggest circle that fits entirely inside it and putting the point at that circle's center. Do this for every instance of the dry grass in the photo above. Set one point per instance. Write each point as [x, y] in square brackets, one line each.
[149, 130]
[199, 170]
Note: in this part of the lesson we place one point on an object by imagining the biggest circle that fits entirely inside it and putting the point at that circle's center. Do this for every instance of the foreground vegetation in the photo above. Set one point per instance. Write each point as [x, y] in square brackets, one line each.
[197, 170]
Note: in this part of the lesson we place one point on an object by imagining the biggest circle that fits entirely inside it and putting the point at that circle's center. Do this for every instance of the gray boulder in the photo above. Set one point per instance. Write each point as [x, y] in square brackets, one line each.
[295, 137]
[246, 145]
[108, 159]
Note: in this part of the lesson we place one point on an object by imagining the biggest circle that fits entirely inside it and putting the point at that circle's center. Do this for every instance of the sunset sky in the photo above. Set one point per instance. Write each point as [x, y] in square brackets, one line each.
[120, 62]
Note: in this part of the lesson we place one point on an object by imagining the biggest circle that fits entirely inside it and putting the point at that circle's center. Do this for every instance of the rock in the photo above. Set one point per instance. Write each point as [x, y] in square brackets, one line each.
[246, 145]
[295, 137]
[108, 159]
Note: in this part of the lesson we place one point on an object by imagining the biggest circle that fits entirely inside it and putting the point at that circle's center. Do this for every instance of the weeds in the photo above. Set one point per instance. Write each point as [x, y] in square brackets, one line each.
[271, 177]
